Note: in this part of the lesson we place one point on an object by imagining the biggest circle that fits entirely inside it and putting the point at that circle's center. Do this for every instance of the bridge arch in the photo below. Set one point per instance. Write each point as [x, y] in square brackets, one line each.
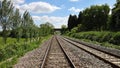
[57, 30]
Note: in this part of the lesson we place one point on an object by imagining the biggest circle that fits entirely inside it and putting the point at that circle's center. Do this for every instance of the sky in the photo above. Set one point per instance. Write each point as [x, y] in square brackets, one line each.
[56, 12]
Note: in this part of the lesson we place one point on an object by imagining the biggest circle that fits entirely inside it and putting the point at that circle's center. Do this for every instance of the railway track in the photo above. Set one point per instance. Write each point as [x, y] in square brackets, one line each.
[56, 57]
[60, 52]
[33, 58]
[112, 59]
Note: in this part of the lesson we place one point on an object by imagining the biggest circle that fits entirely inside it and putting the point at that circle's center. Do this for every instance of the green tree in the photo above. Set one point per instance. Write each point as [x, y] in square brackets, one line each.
[94, 18]
[16, 24]
[27, 22]
[79, 21]
[34, 32]
[115, 17]
[5, 21]
[72, 22]
[46, 29]
[64, 29]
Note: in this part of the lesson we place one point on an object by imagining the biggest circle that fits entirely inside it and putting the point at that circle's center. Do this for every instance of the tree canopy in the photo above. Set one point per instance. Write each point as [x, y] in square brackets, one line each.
[16, 25]
[93, 18]
[115, 17]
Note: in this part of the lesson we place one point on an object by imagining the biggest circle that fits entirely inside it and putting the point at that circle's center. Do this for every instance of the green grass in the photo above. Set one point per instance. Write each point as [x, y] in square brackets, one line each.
[105, 44]
[104, 38]
[9, 41]
[10, 52]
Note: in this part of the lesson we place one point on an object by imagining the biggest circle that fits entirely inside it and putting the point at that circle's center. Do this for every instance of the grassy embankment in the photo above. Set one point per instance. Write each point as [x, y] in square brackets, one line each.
[104, 38]
[10, 52]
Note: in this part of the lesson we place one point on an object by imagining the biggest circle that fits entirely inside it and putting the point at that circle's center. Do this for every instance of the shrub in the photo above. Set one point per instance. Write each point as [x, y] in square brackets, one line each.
[103, 36]
[107, 36]
[116, 38]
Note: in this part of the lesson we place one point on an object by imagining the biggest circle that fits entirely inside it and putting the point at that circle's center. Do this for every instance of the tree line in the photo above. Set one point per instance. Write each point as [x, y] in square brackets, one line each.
[96, 18]
[15, 24]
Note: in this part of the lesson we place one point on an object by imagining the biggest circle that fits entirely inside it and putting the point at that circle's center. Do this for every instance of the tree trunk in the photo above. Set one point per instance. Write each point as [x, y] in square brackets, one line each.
[4, 35]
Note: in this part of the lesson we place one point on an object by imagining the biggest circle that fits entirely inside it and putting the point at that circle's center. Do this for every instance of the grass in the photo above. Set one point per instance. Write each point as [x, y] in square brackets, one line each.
[103, 38]
[10, 52]
[105, 44]
[9, 41]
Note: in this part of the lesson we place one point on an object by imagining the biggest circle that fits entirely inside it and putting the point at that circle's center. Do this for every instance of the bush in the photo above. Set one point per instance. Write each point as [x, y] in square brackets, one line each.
[104, 36]
[107, 36]
[116, 38]
[14, 50]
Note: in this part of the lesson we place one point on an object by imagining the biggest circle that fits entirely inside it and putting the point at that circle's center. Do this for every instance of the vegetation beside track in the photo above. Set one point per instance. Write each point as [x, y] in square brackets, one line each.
[10, 53]
[96, 24]
[105, 38]
[19, 34]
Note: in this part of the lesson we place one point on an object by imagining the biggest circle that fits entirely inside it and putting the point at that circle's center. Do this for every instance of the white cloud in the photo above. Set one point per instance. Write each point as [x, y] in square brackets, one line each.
[18, 1]
[56, 21]
[73, 9]
[38, 7]
[74, 0]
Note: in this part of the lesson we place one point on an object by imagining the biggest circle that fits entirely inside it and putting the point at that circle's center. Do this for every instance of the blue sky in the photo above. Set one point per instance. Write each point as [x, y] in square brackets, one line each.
[56, 11]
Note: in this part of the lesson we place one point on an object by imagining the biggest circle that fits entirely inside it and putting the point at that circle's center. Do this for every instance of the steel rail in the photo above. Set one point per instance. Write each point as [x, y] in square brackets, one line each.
[94, 48]
[46, 54]
[112, 64]
[67, 57]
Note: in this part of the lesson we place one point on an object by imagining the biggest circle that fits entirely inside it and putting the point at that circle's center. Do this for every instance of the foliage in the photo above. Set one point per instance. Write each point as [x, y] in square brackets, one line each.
[16, 25]
[97, 18]
[96, 24]
[72, 21]
[5, 18]
[46, 29]
[14, 50]
[64, 29]
[93, 18]
[110, 37]
[115, 17]
[74, 30]
[105, 44]
[116, 38]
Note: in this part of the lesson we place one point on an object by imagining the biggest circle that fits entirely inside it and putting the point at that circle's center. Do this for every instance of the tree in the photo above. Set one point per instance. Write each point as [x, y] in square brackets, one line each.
[5, 21]
[34, 32]
[0, 4]
[94, 18]
[72, 22]
[27, 22]
[105, 16]
[46, 29]
[115, 17]
[16, 24]
[64, 29]
[79, 21]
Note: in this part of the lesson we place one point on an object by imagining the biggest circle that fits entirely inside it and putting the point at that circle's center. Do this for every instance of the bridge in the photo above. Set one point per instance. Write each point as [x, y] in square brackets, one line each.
[57, 29]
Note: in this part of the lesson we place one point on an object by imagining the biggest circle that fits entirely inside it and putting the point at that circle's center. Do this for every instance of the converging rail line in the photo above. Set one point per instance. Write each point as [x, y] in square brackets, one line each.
[62, 52]
[56, 56]
[112, 59]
